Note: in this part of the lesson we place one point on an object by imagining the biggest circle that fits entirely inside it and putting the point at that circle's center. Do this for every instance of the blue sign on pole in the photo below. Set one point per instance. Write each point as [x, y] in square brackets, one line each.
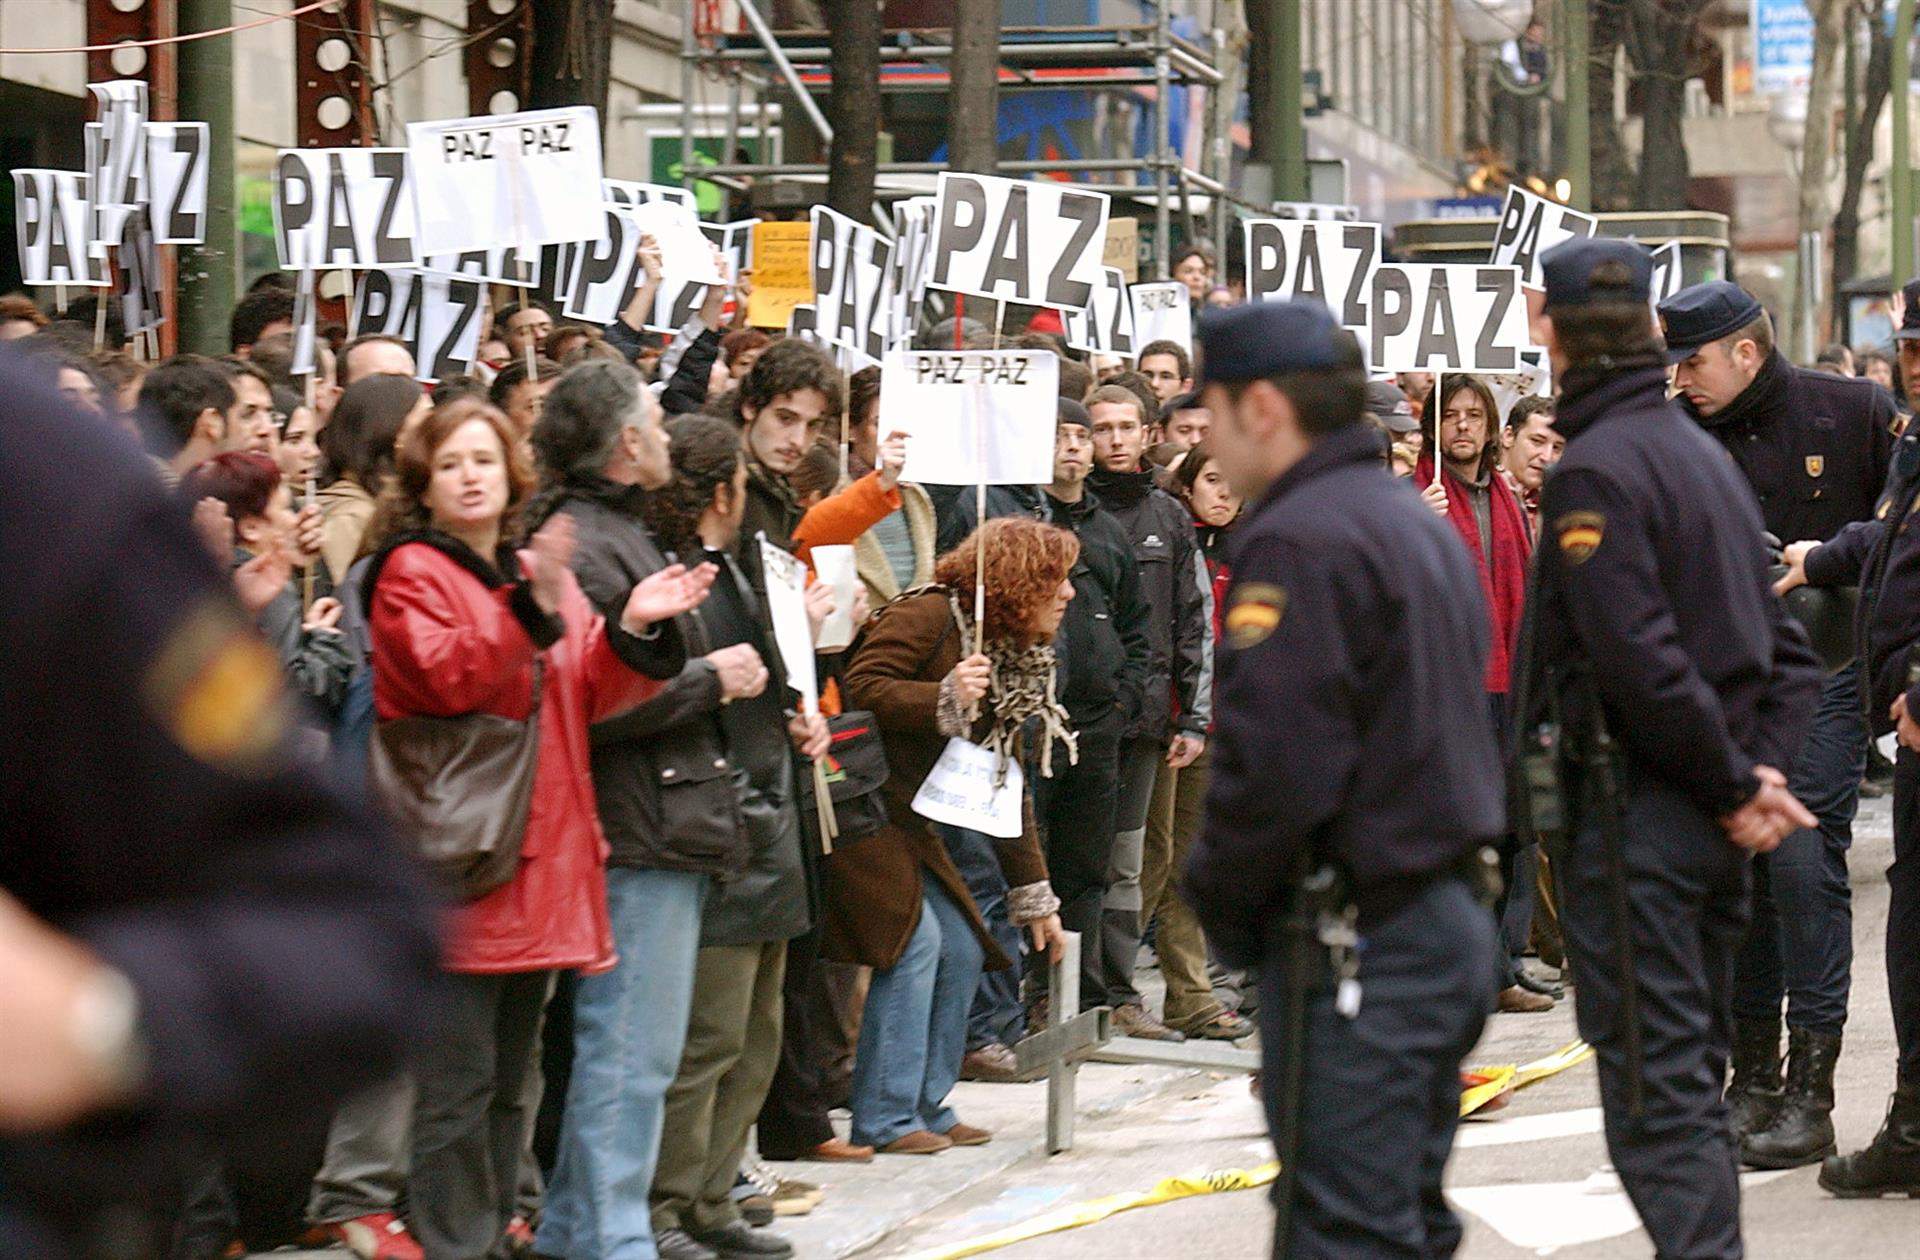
[1782, 45]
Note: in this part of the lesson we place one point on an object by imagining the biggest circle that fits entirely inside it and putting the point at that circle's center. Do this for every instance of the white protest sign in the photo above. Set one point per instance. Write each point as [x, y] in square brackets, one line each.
[630, 193]
[1162, 311]
[834, 566]
[801, 323]
[1668, 278]
[912, 258]
[1530, 226]
[1455, 317]
[117, 160]
[735, 242]
[504, 265]
[344, 208]
[140, 302]
[970, 787]
[851, 265]
[51, 213]
[438, 318]
[1105, 327]
[1030, 241]
[1331, 263]
[177, 168]
[508, 179]
[786, 581]
[1318, 210]
[604, 274]
[1527, 380]
[306, 325]
[973, 417]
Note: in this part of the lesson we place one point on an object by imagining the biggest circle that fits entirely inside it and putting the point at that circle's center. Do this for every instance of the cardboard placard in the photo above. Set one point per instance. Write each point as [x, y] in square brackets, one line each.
[344, 208]
[970, 788]
[52, 217]
[1446, 317]
[782, 273]
[973, 417]
[506, 264]
[852, 265]
[116, 158]
[523, 179]
[786, 581]
[1123, 247]
[628, 193]
[140, 307]
[438, 318]
[1531, 225]
[1162, 311]
[306, 324]
[1028, 241]
[1107, 326]
[177, 167]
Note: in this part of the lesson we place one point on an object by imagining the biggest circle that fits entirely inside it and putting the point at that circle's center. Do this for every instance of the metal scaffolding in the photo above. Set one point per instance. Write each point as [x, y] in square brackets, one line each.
[1121, 59]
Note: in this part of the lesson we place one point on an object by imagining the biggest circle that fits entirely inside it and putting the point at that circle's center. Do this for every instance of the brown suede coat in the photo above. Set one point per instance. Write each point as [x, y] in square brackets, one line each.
[873, 887]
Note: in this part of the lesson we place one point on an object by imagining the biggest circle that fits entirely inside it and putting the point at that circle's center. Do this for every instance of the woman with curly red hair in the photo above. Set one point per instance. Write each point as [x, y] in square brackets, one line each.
[895, 901]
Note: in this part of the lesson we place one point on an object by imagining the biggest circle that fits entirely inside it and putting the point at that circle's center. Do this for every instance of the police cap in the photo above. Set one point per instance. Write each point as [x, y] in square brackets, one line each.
[1388, 403]
[1567, 270]
[1910, 321]
[1703, 313]
[1266, 339]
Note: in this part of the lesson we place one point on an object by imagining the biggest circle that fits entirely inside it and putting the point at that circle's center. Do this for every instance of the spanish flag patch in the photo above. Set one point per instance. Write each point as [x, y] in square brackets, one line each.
[1253, 613]
[1579, 534]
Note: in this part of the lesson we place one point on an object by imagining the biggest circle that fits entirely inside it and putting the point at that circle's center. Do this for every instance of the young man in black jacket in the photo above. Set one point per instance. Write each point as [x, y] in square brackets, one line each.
[1103, 651]
[1170, 730]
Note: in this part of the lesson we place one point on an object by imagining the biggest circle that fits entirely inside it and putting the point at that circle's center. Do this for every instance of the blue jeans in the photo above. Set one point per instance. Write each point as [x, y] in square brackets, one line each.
[1801, 943]
[914, 1032]
[997, 1014]
[629, 1026]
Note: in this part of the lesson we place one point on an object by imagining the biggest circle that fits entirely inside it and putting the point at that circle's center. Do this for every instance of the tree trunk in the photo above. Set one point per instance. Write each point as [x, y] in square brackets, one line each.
[976, 86]
[572, 51]
[1829, 28]
[1659, 33]
[1860, 133]
[1260, 85]
[853, 105]
[1611, 175]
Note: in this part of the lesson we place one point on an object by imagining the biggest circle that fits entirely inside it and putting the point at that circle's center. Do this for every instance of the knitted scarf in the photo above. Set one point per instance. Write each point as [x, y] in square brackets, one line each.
[1020, 687]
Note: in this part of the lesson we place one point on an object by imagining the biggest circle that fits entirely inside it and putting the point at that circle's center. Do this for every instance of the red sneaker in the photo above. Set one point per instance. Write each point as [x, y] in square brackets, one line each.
[377, 1236]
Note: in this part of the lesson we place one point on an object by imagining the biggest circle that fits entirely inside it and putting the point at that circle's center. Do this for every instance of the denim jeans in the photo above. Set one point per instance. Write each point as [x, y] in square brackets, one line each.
[1800, 946]
[914, 1033]
[629, 1026]
[997, 1014]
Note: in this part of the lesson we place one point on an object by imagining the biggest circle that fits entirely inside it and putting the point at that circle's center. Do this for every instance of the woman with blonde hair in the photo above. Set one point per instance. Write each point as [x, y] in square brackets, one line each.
[894, 900]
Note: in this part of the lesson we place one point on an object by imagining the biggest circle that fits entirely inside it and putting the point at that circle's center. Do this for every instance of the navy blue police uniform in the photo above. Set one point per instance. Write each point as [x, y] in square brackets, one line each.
[1351, 732]
[1814, 447]
[1677, 673]
[278, 943]
[1882, 556]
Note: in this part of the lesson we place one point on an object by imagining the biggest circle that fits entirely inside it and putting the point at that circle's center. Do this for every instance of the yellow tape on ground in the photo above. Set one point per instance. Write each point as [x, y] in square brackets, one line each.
[1498, 1080]
[1092, 1210]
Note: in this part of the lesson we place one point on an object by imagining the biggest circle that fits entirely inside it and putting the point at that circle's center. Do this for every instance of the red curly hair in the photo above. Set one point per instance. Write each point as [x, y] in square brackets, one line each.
[1026, 562]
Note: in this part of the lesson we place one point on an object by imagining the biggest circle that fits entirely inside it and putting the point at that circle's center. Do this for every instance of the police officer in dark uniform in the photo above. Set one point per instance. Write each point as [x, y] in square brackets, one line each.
[198, 941]
[1670, 682]
[1814, 447]
[1882, 555]
[1355, 784]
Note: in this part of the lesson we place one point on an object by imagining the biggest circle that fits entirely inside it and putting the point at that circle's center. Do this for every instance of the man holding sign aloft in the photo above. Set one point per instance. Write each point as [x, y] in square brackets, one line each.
[1350, 796]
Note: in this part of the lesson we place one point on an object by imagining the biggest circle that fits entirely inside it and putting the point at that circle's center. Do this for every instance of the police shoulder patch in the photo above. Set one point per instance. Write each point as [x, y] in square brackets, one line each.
[1579, 534]
[1253, 612]
[216, 689]
[1816, 464]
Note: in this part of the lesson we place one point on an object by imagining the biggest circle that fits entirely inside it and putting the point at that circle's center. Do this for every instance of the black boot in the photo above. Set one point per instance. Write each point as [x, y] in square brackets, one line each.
[1802, 1133]
[1890, 1164]
[1754, 1098]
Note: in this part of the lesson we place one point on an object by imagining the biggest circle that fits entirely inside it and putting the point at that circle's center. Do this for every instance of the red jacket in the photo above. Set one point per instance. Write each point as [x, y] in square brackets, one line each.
[446, 643]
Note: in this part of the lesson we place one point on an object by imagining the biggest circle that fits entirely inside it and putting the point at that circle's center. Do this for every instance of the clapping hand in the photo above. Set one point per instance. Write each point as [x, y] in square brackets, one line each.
[665, 595]
[742, 674]
[544, 561]
[260, 580]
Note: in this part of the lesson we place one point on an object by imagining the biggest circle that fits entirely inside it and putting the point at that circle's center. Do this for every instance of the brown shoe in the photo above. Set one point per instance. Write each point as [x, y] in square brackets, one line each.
[968, 1135]
[990, 1063]
[918, 1142]
[1222, 1025]
[1132, 1020]
[840, 1151]
[1515, 1000]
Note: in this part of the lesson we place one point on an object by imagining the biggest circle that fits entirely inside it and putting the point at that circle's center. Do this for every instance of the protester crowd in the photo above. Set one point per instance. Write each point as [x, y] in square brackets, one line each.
[540, 587]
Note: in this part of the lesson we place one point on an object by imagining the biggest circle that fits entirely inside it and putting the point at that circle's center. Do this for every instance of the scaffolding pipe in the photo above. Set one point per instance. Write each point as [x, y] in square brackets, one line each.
[1162, 138]
[688, 47]
[764, 34]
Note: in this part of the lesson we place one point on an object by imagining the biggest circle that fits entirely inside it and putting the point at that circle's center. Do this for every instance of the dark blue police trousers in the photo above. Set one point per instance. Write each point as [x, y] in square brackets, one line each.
[1800, 946]
[1687, 894]
[1382, 1095]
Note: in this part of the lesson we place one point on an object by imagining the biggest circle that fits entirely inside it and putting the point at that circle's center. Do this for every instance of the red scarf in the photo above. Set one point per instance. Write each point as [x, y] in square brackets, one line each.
[1504, 581]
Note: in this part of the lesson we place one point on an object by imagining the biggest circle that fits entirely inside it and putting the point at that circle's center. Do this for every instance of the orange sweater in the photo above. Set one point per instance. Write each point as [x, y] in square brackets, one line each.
[840, 518]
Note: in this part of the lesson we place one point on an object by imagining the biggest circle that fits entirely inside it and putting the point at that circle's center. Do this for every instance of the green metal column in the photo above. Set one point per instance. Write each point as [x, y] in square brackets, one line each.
[1902, 225]
[1578, 168]
[209, 274]
[1283, 104]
